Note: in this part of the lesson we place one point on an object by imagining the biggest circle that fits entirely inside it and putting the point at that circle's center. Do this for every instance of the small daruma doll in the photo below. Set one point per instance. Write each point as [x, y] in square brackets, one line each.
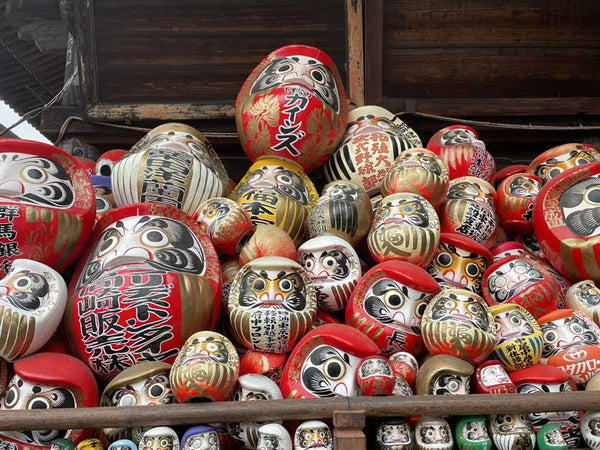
[454, 135]
[159, 438]
[405, 228]
[343, 210]
[558, 160]
[511, 431]
[572, 343]
[418, 171]
[33, 298]
[459, 262]
[206, 368]
[491, 378]
[516, 197]
[585, 296]
[375, 376]
[47, 381]
[292, 105]
[459, 323]
[334, 269]
[519, 340]
[470, 209]
[47, 207]
[324, 362]
[444, 375]
[471, 433]
[388, 304]
[272, 304]
[313, 434]
[394, 434]
[373, 139]
[433, 433]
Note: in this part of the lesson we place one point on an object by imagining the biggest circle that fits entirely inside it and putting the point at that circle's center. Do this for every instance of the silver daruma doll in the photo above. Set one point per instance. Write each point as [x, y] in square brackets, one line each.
[272, 304]
[374, 138]
[173, 164]
[343, 210]
[405, 228]
[33, 298]
[206, 368]
[334, 268]
[458, 322]
[418, 171]
[293, 105]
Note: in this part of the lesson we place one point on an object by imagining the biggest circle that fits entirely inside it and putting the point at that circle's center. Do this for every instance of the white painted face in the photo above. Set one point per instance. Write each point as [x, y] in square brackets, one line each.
[35, 180]
[329, 372]
[334, 268]
[511, 278]
[574, 331]
[35, 296]
[508, 428]
[493, 375]
[313, 435]
[512, 325]
[392, 434]
[433, 433]
[541, 418]
[208, 440]
[461, 136]
[450, 384]
[22, 394]
[273, 436]
[155, 390]
[475, 432]
[159, 438]
[590, 429]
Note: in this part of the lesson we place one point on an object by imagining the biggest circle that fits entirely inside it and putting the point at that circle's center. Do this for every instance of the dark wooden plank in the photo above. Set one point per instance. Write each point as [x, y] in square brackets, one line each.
[492, 72]
[348, 430]
[497, 107]
[83, 12]
[373, 52]
[475, 23]
[182, 414]
[354, 44]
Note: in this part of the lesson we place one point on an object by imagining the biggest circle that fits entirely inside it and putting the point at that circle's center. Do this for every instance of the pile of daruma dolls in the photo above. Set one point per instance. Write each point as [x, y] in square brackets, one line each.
[418, 270]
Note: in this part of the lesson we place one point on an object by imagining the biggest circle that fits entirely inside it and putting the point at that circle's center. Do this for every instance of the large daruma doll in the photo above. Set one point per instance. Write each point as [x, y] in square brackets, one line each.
[292, 105]
[47, 207]
[149, 281]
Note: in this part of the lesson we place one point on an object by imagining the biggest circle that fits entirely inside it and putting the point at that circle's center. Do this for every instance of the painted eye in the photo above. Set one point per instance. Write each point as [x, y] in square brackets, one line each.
[576, 328]
[284, 179]
[108, 245]
[212, 347]
[309, 262]
[164, 443]
[352, 127]
[23, 283]
[497, 282]
[102, 205]
[453, 386]
[472, 269]
[408, 209]
[521, 269]
[34, 174]
[474, 308]
[12, 396]
[593, 195]
[444, 259]
[259, 285]
[212, 440]
[449, 304]
[329, 262]
[156, 390]
[554, 172]
[127, 400]
[154, 238]
[283, 68]
[444, 432]
[285, 285]
[318, 75]
[581, 161]
[39, 402]
[550, 336]
[335, 369]
[420, 309]
[515, 320]
[394, 300]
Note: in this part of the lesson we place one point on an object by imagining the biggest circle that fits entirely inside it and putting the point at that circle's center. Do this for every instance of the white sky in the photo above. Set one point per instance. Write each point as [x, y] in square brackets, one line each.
[24, 130]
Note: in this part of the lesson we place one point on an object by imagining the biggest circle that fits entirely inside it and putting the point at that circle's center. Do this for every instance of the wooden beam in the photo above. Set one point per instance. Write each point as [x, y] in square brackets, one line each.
[348, 430]
[373, 52]
[394, 406]
[354, 44]
[166, 111]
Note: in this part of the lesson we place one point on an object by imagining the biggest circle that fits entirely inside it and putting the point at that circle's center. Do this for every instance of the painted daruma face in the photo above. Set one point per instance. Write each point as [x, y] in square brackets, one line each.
[388, 304]
[293, 92]
[275, 294]
[47, 205]
[313, 434]
[433, 433]
[512, 431]
[471, 434]
[491, 378]
[557, 160]
[150, 268]
[334, 269]
[273, 436]
[374, 138]
[202, 437]
[159, 438]
[459, 323]
[34, 296]
[206, 368]
[405, 228]
[585, 296]
[394, 434]
[519, 340]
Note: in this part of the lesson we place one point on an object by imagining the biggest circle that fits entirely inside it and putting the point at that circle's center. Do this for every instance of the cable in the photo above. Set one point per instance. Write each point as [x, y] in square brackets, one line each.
[500, 125]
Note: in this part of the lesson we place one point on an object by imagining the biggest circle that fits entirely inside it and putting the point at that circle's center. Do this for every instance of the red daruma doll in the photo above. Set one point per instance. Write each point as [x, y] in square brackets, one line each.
[292, 105]
[47, 206]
